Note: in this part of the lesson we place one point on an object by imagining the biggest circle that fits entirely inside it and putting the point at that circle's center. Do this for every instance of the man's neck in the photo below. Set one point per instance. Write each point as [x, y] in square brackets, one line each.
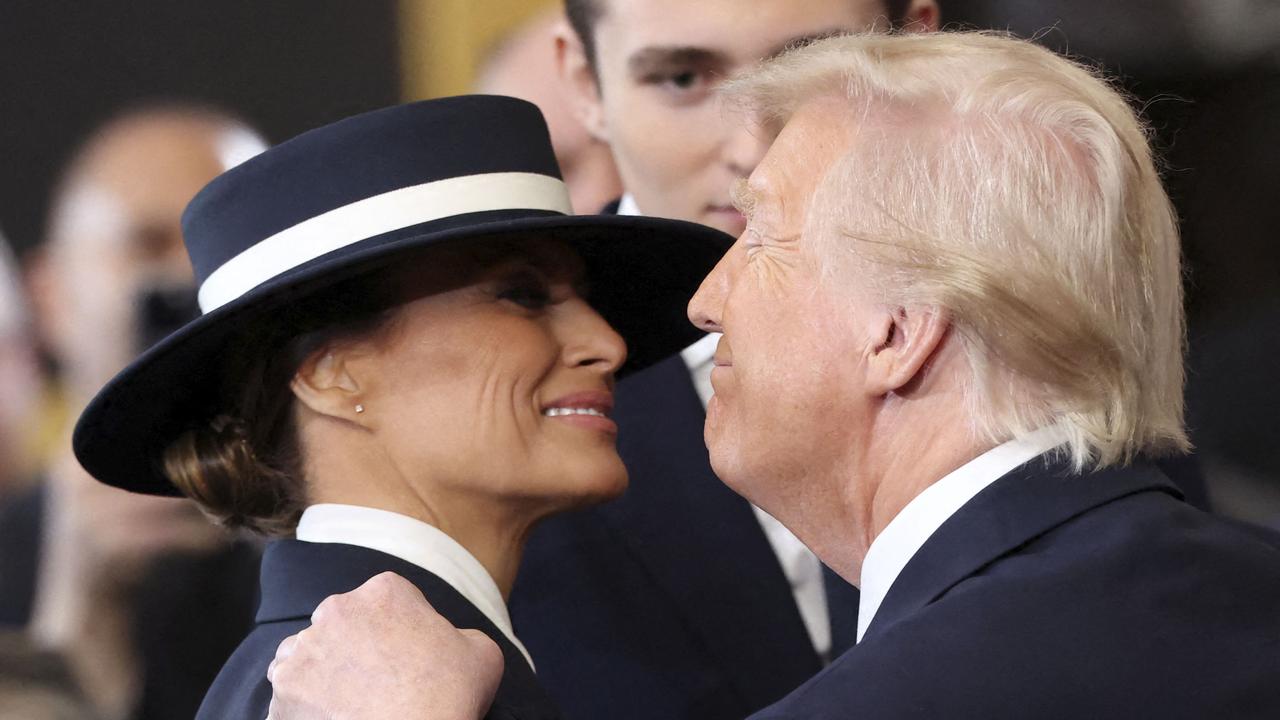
[887, 474]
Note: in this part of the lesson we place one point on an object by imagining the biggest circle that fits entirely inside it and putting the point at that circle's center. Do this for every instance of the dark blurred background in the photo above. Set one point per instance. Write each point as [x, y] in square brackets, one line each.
[66, 67]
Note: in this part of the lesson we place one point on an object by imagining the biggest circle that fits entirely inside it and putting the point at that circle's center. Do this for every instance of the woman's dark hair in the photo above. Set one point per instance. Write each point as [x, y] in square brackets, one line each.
[242, 464]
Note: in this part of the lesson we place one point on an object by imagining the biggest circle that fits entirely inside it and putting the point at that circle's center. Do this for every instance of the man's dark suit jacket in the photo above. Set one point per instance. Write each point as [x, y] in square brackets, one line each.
[1051, 595]
[668, 603]
[297, 576]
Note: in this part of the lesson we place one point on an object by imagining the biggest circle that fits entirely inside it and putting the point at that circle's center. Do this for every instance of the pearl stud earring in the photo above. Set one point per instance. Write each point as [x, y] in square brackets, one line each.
[359, 409]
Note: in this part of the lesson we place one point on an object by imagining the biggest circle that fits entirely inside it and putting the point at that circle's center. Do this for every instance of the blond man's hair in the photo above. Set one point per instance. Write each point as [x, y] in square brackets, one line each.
[1015, 190]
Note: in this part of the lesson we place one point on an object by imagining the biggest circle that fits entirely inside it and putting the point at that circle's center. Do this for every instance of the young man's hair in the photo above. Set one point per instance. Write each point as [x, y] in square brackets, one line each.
[583, 15]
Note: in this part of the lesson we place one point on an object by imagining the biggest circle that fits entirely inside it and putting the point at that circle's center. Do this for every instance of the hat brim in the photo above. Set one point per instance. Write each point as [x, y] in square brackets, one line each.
[641, 273]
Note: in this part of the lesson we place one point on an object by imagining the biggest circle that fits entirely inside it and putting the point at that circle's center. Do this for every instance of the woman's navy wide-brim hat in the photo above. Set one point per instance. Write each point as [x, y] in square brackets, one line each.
[352, 198]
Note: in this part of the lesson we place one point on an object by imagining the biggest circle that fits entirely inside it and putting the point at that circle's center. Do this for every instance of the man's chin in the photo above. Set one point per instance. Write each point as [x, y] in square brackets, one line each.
[724, 463]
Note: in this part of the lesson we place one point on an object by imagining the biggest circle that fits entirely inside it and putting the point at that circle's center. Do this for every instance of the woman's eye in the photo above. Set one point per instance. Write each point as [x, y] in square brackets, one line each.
[530, 294]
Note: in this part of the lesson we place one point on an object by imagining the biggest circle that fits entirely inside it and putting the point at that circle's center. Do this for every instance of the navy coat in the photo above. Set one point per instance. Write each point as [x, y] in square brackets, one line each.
[669, 602]
[1058, 596]
[297, 576]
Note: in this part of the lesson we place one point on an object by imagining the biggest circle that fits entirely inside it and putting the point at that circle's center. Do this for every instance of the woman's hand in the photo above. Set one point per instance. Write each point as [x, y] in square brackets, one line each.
[381, 651]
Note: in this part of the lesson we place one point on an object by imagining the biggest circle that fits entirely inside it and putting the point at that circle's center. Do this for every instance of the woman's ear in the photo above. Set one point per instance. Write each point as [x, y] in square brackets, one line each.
[579, 77]
[329, 384]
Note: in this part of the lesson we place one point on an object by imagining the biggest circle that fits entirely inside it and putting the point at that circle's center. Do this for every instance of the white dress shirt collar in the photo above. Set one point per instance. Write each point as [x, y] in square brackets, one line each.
[627, 206]
[894, 547]
[414, 542]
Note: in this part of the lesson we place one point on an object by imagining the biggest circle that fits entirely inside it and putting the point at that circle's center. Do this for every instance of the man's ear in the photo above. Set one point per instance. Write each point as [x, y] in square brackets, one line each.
[904, 340]
[577, 74]
[922, 16]
[328, 384]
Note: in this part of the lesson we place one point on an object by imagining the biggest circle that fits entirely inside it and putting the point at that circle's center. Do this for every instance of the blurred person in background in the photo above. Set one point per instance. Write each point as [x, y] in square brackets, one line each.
[681, 599]
[523, 65]
[143, 596]
[19, 380]
[36, 685]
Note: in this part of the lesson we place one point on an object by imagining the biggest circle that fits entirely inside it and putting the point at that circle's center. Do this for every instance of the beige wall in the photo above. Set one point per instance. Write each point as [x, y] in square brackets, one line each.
[442, 41]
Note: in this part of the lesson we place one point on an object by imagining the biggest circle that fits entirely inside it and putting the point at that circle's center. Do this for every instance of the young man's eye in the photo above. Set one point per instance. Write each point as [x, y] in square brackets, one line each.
[682, 85]
[683, 81]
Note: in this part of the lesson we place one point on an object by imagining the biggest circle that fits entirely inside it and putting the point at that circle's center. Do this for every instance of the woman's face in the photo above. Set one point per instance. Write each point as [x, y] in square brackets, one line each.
[497, 388]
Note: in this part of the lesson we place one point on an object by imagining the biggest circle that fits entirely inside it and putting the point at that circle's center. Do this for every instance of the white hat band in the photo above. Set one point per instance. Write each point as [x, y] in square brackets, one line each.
[375, 216]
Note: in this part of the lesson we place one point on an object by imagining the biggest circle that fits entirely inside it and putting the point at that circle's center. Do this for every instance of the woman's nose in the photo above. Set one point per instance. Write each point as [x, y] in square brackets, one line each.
[590, 340]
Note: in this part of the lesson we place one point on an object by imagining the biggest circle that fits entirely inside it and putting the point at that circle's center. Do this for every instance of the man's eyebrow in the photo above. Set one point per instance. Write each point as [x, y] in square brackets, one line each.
[802, 40]
[658, 58]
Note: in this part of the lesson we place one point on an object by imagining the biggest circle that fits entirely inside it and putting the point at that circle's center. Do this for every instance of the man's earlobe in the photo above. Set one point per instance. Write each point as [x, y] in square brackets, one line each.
[581, 80]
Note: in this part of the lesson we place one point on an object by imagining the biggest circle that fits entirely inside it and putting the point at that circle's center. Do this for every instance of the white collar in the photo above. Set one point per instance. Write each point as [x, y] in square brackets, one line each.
[894, 547]
[628, 206]
[414, 542]
[701, 352]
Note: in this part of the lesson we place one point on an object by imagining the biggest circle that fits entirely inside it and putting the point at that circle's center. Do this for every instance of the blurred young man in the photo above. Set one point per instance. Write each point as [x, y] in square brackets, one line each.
[682, 600]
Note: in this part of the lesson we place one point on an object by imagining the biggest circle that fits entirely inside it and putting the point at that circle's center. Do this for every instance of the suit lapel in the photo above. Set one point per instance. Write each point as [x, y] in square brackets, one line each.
[298, 576]
[701, 542]
[1025, 503]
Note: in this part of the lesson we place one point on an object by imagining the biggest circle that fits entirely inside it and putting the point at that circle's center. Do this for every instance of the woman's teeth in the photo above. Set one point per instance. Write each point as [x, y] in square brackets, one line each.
[556, 412]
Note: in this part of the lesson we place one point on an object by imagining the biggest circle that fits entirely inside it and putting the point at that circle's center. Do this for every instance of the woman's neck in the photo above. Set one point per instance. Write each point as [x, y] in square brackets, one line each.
[493, 534]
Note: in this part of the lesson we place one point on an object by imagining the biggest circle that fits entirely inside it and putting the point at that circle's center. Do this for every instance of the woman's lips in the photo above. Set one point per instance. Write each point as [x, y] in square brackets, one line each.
[588, 410]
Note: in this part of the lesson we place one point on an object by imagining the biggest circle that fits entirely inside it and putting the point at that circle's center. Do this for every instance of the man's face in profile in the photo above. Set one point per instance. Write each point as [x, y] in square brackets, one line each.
[659, 63]
[789, 369]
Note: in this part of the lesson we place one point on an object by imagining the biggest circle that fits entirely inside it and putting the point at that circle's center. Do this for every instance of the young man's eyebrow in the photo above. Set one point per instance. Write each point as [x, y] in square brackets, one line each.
[802, 40]
[658, 58]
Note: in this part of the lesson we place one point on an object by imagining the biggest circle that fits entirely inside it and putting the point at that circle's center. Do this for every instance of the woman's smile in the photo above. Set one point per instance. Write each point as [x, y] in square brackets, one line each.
[588, 410]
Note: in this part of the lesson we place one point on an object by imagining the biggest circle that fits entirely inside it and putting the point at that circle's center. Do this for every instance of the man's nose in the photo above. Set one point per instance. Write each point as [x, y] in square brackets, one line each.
[707, 305]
